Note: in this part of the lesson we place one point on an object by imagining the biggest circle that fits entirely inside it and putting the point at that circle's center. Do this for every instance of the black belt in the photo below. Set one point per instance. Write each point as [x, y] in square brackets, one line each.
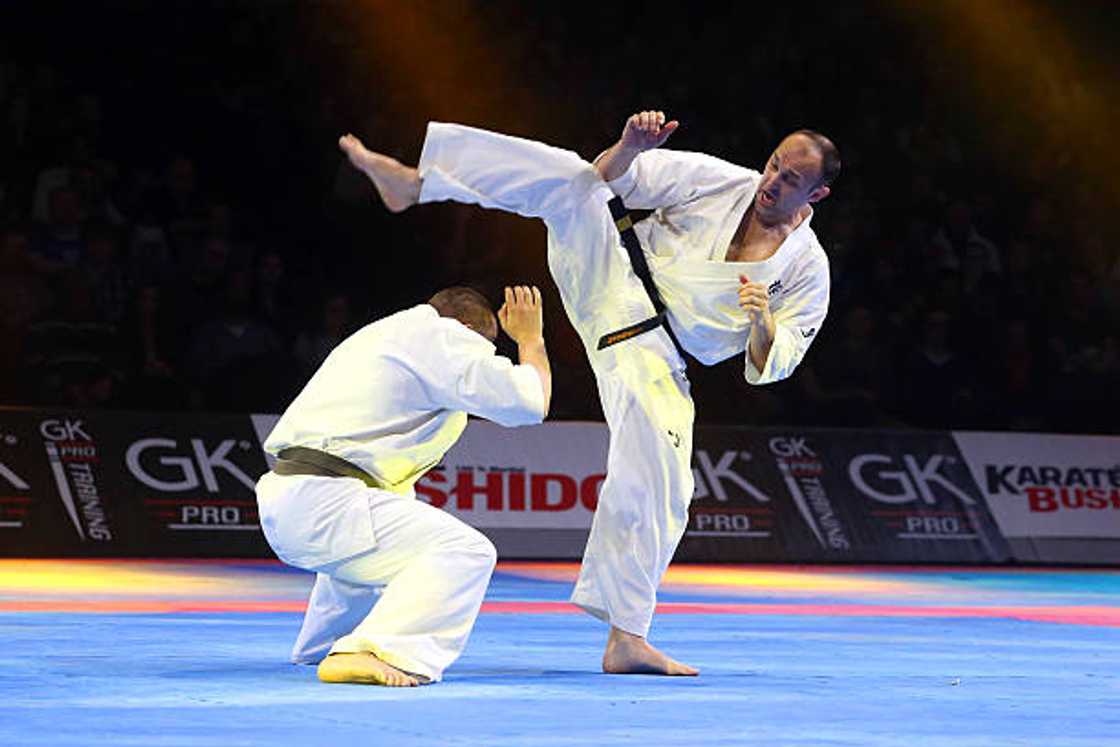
[300, 460]
[625, 225]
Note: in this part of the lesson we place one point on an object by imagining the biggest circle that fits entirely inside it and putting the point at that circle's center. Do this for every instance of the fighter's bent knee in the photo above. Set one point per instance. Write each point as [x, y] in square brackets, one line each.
[472, 545]
[488, 552]
[482, 548]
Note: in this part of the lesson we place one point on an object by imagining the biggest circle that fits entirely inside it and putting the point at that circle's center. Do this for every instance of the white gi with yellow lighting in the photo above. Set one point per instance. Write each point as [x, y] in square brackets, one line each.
[699, 202]
[391, 399]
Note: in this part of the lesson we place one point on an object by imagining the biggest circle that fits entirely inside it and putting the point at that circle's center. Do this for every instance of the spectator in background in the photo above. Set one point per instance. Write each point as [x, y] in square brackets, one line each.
[93, 182]
[960, 247]
[103, 274]
[944, 291]
[91, 386]
[982, 324]
[1021, 287]
[848, 384]
[69, 353]
[137, 196]
[1016, 380]
[924, 201]
[16, 258]
[936, 388]
[7, 206]
[335, 324]
[1111, 288]
[1043, 232]
[148, 337]
[1082, 345]
[1078, 325]
[223, 348]
[58, 176]
[178, 206]
[274, 300]
[203, 292]
[843, 270]
[1104, 270]
[60, 246]
[89, 117]
[24, 298]
[150, 333]
[149, 256]
[219, 221]
[887, 295]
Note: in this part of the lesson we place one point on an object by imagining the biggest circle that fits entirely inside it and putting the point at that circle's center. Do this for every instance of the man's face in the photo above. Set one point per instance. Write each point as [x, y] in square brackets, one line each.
[790, 179]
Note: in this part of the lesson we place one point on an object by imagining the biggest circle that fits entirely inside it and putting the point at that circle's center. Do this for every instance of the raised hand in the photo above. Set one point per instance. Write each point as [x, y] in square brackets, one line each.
[646, 130]
[522, 320]
[755, 300]
[521, 316]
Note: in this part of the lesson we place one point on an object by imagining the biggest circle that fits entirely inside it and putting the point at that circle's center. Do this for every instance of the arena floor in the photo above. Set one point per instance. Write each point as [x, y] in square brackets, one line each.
[195, 653]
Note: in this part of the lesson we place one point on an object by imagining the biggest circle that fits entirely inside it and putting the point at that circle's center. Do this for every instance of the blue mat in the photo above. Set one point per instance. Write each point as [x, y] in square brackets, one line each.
[221, 678]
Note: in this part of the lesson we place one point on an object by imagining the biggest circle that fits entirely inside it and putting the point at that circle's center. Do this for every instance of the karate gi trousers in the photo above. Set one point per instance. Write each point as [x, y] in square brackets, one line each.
[395, 576]
[643, 503]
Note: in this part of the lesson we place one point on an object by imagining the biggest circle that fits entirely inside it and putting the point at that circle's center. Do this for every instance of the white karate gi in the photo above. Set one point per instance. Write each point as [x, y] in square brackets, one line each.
[643, 504]
[392, 399]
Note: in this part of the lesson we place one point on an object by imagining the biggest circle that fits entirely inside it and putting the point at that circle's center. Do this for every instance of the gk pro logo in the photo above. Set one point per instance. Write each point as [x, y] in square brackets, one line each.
[711, 476]
[181, 472]
[879, 478]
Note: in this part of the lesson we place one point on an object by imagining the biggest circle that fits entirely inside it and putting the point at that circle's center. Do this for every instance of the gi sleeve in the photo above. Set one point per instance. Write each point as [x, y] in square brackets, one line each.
[663, 178]
[461, 372]
[796, 325]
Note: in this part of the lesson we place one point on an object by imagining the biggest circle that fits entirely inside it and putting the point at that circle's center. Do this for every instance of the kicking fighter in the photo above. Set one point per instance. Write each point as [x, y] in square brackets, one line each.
[727, 265]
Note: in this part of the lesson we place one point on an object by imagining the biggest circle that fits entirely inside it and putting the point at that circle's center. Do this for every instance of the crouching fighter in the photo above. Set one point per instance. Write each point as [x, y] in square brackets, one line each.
[399, 583]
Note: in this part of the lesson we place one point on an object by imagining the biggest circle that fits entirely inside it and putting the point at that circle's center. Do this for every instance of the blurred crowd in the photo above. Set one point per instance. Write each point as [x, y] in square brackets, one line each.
[183, 235]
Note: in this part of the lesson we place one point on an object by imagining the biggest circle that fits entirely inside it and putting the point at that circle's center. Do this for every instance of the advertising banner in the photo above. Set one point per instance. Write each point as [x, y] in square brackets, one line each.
[120, 483]
[128, 483]
[1044, 485]
[1056, 498]
[538, 477]
[836, 496]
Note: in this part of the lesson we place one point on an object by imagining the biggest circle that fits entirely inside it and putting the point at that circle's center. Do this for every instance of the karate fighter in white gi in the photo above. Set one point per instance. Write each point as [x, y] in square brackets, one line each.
[734, 261]
[399, 583]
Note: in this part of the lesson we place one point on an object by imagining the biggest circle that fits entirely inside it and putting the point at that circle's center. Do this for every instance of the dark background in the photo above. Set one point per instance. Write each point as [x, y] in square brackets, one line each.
[181, 232]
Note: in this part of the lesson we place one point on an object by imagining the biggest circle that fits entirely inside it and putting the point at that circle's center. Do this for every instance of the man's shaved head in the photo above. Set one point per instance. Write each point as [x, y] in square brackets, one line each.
[469, 307]
[830, 156]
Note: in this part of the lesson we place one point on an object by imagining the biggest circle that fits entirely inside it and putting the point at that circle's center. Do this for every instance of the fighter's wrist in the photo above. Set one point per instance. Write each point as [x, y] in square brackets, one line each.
[531, 342]
[627, 150]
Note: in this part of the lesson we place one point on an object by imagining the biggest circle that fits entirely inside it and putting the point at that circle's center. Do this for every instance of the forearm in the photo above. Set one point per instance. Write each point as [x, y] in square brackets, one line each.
[762, 339]
[615, 161]
[533, 354]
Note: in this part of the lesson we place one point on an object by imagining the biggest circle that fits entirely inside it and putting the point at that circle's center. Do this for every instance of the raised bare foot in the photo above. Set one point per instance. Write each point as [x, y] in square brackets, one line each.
[363, 669]
[397, 184]
[631, 654]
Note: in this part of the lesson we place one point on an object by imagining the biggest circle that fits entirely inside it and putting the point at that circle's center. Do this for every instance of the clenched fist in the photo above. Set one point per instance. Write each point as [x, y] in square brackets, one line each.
[646, 130]
[755, 300]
